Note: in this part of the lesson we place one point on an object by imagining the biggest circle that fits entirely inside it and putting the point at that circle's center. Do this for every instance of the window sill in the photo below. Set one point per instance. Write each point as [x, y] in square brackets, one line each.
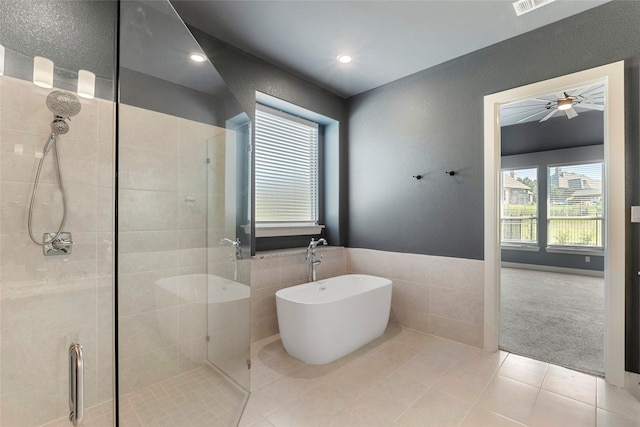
[287, 230]
[523, 247]
[574, 250]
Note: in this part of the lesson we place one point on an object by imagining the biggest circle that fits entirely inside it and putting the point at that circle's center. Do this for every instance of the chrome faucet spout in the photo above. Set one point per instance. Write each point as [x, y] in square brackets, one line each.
[234, 243]
[312, 261]
[314, 243]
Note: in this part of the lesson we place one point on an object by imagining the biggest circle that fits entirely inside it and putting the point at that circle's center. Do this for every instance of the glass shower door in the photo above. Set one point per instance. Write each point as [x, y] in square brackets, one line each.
[56, 295]
[229, 263]
[181, 255]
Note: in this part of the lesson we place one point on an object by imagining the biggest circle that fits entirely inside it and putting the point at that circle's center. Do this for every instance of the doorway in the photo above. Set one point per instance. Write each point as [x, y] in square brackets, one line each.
[612, 76]
[551, 228]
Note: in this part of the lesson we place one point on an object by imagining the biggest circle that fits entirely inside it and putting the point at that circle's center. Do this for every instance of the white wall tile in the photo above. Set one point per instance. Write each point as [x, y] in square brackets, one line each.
[48, 302]
[149, 331]
[141, 210]
[143, 169]
[440, 295]
[456, 330]
[459, 305]
[148, 129]
[192, 322]
[456, 273]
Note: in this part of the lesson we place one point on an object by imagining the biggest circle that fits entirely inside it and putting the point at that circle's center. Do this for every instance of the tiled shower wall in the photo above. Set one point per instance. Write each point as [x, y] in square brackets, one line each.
[49, 302]
[162, 235]
[438, 295]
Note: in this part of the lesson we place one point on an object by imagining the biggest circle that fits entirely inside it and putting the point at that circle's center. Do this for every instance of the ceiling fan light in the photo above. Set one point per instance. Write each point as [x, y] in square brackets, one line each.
[564, 104]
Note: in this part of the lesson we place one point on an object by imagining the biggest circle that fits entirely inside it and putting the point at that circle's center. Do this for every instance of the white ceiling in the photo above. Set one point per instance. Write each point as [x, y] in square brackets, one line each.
[387, 39]
[544, 107]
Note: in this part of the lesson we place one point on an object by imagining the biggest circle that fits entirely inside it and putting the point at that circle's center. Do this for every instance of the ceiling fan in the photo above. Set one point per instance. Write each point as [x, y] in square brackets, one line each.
[587, 98]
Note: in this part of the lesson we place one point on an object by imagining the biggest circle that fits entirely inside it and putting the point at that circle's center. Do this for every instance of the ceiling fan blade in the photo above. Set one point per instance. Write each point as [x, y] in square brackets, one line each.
[591, 106]
[548, 116]
[523, 107]
[531, 116]
[571, 113]
[591, 90]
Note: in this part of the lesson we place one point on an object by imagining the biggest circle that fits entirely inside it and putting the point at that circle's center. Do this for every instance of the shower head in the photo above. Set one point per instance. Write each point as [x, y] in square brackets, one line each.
[63, 104]
[59, 126]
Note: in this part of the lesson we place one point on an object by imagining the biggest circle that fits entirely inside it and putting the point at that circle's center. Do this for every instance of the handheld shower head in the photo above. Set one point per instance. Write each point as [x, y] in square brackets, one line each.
[63, 104]
[59, 126]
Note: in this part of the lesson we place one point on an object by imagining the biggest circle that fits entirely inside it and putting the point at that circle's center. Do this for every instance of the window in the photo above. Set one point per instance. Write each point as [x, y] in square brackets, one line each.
[575, 205]
[519, 206]
[286, 165]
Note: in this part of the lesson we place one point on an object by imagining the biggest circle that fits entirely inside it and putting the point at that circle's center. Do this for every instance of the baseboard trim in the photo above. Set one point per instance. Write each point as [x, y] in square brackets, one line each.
[553, 269]
[632, 384]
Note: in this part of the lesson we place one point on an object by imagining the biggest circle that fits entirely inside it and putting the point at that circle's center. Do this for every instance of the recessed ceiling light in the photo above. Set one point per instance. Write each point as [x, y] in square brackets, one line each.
[197, 57]
[345, 59]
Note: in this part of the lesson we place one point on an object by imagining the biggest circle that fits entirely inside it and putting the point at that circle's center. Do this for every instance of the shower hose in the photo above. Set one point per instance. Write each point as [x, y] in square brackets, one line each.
[35, 189]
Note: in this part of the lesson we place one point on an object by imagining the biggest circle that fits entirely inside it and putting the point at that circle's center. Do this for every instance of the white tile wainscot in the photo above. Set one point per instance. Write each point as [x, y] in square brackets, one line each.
[442, 296]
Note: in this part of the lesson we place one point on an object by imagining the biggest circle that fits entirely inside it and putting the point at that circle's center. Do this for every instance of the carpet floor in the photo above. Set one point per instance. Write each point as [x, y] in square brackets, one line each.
[552, 317]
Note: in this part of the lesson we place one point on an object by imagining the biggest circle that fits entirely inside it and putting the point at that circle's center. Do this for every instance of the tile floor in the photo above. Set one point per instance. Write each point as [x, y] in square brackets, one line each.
[407, 378]
[198, 398]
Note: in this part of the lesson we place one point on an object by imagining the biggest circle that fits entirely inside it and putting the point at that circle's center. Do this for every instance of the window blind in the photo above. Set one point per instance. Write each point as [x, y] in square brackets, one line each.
[286, 165]
[575, 205]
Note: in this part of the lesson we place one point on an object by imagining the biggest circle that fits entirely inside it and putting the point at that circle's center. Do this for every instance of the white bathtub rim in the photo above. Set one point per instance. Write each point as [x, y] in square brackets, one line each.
[283, 294]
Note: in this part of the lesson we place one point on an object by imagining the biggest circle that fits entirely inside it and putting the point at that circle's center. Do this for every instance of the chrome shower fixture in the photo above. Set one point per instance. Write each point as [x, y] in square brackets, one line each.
[63, 104]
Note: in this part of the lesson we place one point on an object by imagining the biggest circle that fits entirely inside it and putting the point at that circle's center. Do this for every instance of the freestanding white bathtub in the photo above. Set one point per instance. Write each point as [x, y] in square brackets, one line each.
[325, 320]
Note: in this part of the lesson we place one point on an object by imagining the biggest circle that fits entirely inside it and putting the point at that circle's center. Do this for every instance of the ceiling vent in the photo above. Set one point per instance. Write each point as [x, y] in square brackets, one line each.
[524, 6]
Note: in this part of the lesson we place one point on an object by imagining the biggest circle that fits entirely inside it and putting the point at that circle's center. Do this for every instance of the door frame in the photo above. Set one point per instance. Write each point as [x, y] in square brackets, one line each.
[614, 263]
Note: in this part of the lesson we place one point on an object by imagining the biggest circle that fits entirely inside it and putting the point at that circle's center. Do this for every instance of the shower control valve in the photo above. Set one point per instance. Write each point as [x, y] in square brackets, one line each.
[61, 245]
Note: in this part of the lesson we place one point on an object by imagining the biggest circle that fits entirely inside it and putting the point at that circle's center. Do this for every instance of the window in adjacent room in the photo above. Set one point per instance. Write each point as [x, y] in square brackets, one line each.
[519, 207]
[286, 171]
[575, 205]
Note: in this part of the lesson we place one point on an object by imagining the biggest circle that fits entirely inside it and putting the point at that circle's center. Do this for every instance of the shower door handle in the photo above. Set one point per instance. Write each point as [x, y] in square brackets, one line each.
[76, 384]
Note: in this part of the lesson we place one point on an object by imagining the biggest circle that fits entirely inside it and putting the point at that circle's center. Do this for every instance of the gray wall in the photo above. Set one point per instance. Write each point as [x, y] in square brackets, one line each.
[151, 93]
[245, 74]
[432, 121]
[542, 160]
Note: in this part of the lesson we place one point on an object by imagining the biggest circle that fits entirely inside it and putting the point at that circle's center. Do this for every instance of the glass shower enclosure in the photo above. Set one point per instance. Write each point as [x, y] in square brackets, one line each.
[135, 311]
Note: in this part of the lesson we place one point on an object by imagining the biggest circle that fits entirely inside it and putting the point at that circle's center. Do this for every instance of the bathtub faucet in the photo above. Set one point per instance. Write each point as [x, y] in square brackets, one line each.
[236, 244]
[312, 261]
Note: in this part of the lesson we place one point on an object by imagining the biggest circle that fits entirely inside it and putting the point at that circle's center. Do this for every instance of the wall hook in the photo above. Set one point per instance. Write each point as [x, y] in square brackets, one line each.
[450, 173]
[417, 176]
